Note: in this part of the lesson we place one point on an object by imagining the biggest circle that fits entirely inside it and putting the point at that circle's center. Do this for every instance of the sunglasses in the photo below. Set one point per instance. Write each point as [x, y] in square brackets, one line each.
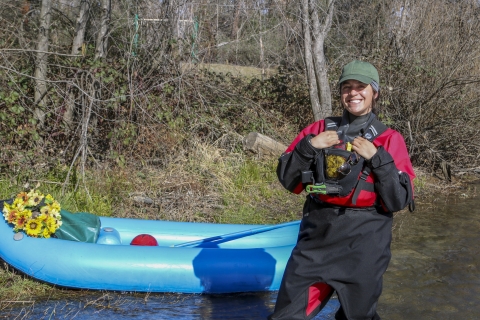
[346, 167]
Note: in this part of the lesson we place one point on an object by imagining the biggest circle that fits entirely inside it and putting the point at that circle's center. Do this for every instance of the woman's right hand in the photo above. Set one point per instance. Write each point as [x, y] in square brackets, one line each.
[325, 139]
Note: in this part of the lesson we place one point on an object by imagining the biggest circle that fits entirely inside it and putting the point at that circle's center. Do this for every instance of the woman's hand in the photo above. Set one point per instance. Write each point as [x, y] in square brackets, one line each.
[364, 148]
[325, 139]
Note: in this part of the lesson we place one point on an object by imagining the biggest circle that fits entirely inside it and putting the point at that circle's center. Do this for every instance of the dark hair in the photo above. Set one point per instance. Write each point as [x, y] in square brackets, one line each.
[375, 110]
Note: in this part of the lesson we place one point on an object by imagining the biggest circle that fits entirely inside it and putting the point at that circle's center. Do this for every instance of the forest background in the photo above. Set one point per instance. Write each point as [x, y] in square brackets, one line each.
[139, 108]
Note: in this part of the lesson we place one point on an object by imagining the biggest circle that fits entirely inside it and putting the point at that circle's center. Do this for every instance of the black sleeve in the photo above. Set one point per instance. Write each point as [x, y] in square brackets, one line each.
[291, 164]
[392, 185]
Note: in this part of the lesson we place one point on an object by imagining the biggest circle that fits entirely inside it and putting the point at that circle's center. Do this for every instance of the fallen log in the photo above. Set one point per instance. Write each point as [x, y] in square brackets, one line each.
[263, 145]
[144, 200]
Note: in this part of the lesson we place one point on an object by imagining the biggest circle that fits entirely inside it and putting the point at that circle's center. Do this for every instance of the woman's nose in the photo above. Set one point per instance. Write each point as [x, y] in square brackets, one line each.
[354, 91]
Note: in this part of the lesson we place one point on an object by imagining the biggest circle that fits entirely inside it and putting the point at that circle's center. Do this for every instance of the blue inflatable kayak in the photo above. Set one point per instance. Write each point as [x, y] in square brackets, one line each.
[189, 257]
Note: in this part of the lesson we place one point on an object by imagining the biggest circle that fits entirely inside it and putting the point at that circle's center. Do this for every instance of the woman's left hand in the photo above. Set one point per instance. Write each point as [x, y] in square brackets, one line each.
[364, 148]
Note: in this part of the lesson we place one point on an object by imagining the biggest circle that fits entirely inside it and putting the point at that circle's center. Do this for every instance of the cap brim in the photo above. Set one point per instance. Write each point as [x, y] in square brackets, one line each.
[358, 77]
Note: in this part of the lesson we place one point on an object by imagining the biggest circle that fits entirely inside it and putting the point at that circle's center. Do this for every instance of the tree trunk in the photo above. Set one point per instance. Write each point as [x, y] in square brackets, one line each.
[310, 69]
[25, 11]
[80, 26]
[262, 49]
[314, 34]
[402, 31]
[100, 54]
[170, 9]
[172, 15]
[319, 34]
[102, 37]
[78, 42]
[42, 61]
[236, 18]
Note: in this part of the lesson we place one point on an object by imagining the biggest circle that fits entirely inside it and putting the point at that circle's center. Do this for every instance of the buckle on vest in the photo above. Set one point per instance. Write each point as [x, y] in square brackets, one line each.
[323, 189]
[365, 174]
[316, 188]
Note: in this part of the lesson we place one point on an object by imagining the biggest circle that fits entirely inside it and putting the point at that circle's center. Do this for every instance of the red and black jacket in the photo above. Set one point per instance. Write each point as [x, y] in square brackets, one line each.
[389, 173]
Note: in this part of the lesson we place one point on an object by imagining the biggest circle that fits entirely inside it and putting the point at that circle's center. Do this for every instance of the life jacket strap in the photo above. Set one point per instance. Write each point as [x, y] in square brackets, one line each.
[362, 184]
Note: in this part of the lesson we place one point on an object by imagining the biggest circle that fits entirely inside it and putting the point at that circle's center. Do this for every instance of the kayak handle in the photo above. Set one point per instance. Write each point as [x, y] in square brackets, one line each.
[236, 235]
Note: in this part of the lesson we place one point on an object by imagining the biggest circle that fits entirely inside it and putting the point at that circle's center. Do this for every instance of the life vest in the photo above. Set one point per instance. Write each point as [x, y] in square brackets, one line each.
[351, 189]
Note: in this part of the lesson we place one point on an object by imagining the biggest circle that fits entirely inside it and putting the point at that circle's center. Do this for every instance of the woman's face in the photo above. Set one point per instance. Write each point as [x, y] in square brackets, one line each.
[357, 97]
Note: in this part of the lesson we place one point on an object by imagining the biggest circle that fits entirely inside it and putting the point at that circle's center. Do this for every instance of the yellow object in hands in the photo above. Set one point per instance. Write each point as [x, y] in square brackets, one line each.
[333, 162]
[348, 146]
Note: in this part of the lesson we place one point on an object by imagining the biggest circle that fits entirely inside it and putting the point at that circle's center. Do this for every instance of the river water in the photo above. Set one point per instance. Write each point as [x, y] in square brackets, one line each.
[434, 274]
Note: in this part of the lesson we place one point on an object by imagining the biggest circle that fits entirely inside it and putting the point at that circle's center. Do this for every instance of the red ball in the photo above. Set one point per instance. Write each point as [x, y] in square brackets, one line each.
[144, 240]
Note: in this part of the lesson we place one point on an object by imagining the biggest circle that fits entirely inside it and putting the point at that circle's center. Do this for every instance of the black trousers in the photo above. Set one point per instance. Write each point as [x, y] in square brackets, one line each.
[348, 249]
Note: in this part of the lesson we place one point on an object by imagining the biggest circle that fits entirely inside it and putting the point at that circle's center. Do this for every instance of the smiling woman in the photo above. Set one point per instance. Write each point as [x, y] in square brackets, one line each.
[357, 172]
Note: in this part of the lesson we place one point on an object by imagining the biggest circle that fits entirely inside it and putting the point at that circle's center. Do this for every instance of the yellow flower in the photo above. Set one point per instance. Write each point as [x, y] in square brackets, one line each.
[56, 206]
[23, 196]
[49, 199]
[33, 227]
[46, 233]
[22, 219]
[19, 204]
[34, 213]
[34, 198]
[42, 217]
[46, 210]
[6, 207]
[10, 214]
[55, 213]
[52, 225]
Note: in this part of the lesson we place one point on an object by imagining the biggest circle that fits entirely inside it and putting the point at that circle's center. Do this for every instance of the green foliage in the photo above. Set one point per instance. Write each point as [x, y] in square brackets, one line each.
[18, 123]
[255, 195]
[124, 132]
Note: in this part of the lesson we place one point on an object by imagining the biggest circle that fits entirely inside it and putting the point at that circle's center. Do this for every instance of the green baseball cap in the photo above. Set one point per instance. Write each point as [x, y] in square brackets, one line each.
[361, 71]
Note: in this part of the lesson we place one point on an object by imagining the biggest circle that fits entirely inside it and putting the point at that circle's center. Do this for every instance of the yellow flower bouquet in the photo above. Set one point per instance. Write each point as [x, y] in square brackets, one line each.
[34, 213]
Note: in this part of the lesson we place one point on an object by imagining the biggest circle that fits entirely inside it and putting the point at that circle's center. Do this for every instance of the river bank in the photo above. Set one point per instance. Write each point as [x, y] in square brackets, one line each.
[246, 192]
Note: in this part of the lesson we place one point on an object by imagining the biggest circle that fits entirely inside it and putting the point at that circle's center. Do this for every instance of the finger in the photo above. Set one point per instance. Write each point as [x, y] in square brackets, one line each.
[359, 139]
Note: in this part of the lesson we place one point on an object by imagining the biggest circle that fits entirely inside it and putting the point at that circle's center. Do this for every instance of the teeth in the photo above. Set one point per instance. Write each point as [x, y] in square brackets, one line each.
[355, 101]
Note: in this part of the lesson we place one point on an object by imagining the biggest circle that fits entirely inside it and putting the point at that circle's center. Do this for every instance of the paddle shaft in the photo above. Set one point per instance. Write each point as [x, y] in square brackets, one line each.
[236, 235]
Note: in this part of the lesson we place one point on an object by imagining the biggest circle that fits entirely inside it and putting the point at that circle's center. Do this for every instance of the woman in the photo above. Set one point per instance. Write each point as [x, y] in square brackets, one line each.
[356, 173]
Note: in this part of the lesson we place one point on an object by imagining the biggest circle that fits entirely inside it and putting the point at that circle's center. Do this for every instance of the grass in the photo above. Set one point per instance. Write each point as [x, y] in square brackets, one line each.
[236, 71]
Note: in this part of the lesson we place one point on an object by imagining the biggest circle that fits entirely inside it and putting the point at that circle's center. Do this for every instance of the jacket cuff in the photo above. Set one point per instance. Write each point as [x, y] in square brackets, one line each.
[305, 148]
[380, 159]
